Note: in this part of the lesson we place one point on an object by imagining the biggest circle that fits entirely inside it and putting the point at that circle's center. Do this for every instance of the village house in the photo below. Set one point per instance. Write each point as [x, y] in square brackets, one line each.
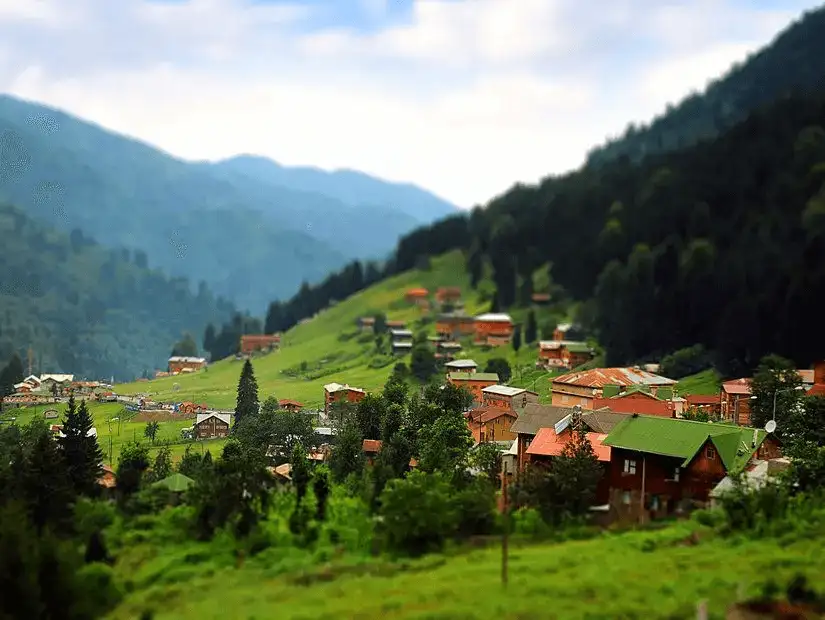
[83, 388]
[366, 323]
[536, 416]
[639, 399]
[493, 329]
[507, 397]
[210, 425]
[473, 381]
[400, 347]
[187, 407]
[660, 466]
[454, 325]
[491, 424]
[583, 387]
[540, 299]
[179, 364]
[290, 405]
[371, 448]
[550, 443]
[818, 385]
[448, 295]
[462, 365]
[51, 384]
[401, 334]
[419, 297]
[447, 350]
[251, 343]
[567, 331]
[735, 401]
[563, 354]
[335, 393]
[395, 324]
[709, 403]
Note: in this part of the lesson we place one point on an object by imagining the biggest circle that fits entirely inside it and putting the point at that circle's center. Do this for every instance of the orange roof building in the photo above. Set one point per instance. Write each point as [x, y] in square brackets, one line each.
[583, 387]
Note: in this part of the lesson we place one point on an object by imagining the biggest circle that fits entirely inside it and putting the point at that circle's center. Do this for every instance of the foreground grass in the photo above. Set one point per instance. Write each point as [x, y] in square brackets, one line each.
[331, 349]
[658, 574]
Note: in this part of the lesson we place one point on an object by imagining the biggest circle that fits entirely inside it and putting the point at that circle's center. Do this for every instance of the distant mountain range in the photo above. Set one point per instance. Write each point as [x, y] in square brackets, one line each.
[251, 229]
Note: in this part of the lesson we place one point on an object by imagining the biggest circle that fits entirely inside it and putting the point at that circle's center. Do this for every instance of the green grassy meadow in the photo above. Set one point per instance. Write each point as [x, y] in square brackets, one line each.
[329, 347]
[705, 382]
[637, 575]
[117, 426]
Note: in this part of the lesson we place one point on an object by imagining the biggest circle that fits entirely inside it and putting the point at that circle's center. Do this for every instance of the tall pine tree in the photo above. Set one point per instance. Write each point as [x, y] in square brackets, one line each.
[531, 329]
[247, 404]
[81, 451]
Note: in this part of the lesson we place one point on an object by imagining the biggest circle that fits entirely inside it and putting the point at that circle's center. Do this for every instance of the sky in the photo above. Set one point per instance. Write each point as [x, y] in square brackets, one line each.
[462, 97]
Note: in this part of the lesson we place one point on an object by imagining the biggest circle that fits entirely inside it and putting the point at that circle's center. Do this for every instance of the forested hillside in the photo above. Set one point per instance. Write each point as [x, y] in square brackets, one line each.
[191, 218]
[87, 310]
[721, 244]
[794, 62]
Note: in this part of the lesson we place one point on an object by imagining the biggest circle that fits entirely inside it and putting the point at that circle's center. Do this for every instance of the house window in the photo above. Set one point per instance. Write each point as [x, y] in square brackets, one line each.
[654, 503]
[710, 453]
[630, 467]
[626, 497]
[564, 398]
[676, 473]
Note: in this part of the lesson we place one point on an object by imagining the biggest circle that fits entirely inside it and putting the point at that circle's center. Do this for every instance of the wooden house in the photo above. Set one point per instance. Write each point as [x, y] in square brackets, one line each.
[493, 329]
[660, 466]
[491, 423]
[290, 405]
[473, 381]
[55, 382]
[709, 403]
[563, 354]
[454, 325]
[366, 323]
[335, 392]
[462, 365]
[448, 295]
[583, 387]
[419, 297]
[251, 343]
[401, 347]
[507, 397]
[178, 364]
[818, 386]
[637, 399]
[735, 401]
[395, 324]
[210, 425]
[401, 334]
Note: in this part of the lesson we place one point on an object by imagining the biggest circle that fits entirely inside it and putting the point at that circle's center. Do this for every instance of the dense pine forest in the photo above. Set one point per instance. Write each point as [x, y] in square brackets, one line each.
[88, 310]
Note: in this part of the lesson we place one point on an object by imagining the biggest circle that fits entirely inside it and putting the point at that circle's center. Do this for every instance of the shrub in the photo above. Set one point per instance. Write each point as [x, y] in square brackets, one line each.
[684, 362]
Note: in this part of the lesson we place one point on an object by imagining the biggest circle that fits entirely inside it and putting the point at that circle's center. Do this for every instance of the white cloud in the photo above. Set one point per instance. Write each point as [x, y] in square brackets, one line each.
[463, 97]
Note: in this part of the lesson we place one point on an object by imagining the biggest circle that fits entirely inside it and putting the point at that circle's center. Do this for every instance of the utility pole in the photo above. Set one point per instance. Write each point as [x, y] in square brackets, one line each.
[506, 523]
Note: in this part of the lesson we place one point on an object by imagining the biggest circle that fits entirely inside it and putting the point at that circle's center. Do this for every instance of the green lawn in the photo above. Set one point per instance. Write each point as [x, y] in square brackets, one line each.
[332, 349]
[655, 574]
[705, 382]
[117, 426]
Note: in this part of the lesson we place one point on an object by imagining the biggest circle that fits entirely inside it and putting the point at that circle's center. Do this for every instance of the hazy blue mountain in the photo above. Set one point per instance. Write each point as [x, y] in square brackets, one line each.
[249, 238]
[353, 188]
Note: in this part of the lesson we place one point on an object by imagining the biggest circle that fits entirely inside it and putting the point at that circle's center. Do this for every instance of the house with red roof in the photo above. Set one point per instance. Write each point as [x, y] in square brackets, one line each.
[583, 387]
[639, 400]
[818, 387]
[290, 405]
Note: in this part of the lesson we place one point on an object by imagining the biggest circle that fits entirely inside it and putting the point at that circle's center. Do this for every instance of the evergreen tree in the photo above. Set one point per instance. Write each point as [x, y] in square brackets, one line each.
[516, 339]
[11, 374]
[348, 454]
[300, 471]
[531, 329]
[80, 448]
[247, 404]
[209, 338]
[320, 485]
[185, 347]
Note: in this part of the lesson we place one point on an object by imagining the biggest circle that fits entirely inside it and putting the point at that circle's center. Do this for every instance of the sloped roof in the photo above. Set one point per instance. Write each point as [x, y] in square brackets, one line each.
[335, 387]
[58, 378]
[494, 317]
[474, 376]
[549, 443]
[417, 292]
[287, 401]
[223, 417]
[737, 386]
[462, 363]
[487, 414]
[600, 377]
[505, 390]
[535, 415]
[702, 399]
[176, 483]
[602, 420]
[684, 438]
[194, 360]
[371, 445]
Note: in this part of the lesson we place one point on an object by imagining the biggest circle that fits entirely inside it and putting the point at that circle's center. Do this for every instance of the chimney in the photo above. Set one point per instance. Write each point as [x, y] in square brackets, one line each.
[819, 373]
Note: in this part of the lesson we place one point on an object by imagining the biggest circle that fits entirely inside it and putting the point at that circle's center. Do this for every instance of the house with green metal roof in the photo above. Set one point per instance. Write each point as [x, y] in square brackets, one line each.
[661, 464]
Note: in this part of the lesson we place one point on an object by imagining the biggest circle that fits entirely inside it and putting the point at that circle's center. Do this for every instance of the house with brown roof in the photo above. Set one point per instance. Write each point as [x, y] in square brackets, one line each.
[335, 392]
[493, 329]
[210, 425]
[491, 423]
[473, 381]
[454, 325]
[252, 343]
[563, 354]
[709, 403]
[180, 363]
[366, 323]
[418, 296]
[448, 295]
[290, 405]
[530, 419]
[583, 387]
[735, 401]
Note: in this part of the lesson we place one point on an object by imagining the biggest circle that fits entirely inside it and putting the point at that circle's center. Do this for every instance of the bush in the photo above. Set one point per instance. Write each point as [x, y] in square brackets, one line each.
[687, 361]
[528, 522]
[417, 513]
[476, 508]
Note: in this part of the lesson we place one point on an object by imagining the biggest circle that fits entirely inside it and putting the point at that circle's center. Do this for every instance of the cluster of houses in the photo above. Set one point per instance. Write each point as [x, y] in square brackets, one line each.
[46, 388]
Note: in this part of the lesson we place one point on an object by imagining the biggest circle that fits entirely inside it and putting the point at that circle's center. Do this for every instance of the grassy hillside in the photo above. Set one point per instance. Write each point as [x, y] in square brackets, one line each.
[662, 574]
[332, 349]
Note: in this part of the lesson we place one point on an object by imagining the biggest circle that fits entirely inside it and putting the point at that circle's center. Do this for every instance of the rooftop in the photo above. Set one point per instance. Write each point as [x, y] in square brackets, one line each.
[474, 376]
[335, 387]
[600, 377]
[684, 438]
[495, 317]
[535, 416]
[548, 443]
[464, 363]
[223, 417]
[505, 390]
[194, 360]
[486, 414]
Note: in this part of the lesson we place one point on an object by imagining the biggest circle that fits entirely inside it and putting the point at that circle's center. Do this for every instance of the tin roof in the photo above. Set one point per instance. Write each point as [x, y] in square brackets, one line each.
[495, 317]
[223, 417]
[534, 416]
[737, 386]
[548, 443]
[504, 390]
[600, 377]
[462, 363]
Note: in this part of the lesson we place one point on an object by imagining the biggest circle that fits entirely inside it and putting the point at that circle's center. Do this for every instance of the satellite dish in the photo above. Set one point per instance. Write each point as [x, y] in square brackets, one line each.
[770, 426]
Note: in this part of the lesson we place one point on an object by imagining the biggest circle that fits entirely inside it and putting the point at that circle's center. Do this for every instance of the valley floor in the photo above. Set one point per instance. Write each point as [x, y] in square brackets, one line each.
[644, 575]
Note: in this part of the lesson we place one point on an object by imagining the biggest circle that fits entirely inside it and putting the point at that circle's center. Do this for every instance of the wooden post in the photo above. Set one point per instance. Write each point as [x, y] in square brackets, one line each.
[702, 610]
[506, 524]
